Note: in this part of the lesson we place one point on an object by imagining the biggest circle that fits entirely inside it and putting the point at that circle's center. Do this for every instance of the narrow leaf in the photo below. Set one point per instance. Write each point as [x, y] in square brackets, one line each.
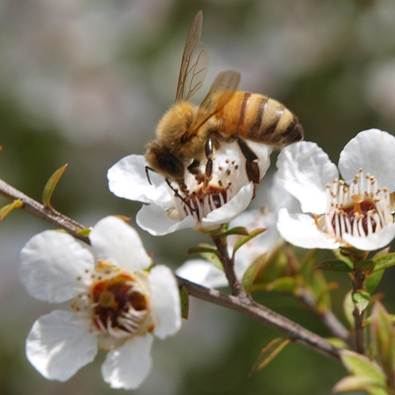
[342, 256]
[283, 284]
[334, 266]
[51, 184]
[360, 365]
[361, 300]
[246, 239]
[373, 280]
[85, 232]
[353, 383]
[202, 248]
[382, 262]
[348, 308]
[269, 352]
[184, 298]
[237, 230]
[8, 208]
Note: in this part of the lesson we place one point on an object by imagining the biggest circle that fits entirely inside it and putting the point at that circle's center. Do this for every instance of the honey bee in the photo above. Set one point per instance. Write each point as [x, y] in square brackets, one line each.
[187, 132]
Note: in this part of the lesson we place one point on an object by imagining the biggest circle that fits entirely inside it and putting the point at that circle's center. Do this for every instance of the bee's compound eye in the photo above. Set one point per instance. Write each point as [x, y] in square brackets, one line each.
[172, 165]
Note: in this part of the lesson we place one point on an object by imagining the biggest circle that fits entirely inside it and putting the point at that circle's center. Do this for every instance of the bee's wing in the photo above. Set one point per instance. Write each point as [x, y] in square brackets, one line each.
[221, 91]
[193, 63]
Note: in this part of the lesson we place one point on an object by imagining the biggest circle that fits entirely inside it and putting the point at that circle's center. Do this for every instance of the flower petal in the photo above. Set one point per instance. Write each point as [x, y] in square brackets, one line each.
[128, 179]
[128, 366]
[300, 230]
[113, 240]
[374, 241]
[59, 344]
[304, 170]
[235, 206]
[373, 152]
[155, 221]
[165, 301]
[203, 273]
[53, 266]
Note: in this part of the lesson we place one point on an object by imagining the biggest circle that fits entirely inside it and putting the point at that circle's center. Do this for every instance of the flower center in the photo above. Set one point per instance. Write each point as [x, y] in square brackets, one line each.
[202, 194]
[117, 302]
[359, 209]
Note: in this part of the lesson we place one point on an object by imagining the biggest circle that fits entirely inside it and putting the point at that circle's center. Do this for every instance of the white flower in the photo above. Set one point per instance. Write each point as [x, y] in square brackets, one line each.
[273, 197]
[354, 211]
[167, 209]
[115, 304]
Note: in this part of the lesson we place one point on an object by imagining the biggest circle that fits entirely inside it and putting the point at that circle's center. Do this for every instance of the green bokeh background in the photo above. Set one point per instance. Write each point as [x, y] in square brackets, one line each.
[332, 62]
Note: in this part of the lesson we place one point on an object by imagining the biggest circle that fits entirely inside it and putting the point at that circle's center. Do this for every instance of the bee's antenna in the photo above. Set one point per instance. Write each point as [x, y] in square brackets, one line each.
[147, 170]
[177, 194]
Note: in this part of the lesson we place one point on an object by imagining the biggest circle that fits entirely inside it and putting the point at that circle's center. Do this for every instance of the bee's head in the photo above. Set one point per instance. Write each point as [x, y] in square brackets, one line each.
[161, 159]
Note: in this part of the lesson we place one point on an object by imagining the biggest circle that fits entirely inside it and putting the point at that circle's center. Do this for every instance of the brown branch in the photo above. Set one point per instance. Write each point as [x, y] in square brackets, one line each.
[358, 278]
[241, 304]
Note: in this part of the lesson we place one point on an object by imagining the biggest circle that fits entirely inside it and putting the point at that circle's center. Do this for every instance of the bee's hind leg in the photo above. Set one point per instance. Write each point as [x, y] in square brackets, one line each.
[252, 167]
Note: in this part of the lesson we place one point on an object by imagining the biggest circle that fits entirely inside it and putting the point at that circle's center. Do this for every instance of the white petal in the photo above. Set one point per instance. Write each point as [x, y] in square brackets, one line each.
[372, 151]
[300, 230]
[374, 241]
[128, 179]
[304, 169]
[165, 301]
[203, 273]
[59, 344]
[155, 221]
[113, 240]
[127, 366]
[53, 266]
[235, 206]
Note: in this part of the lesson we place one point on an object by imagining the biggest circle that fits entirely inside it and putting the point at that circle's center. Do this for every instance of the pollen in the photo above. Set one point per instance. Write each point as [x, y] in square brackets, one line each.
[359, 209]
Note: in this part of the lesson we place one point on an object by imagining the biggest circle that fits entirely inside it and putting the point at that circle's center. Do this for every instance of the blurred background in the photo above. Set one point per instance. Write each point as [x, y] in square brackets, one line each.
[84, 82]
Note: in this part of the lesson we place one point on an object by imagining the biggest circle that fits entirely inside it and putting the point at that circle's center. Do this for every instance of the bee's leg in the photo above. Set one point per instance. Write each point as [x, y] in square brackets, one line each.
[252, 167]
[209, 149]
[147, 170]
[177, 194]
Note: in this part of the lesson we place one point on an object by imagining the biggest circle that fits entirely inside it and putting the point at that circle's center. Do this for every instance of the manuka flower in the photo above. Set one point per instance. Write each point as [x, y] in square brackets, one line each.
[115, 303]
[272, 196]
[355, 211]
[203, 204]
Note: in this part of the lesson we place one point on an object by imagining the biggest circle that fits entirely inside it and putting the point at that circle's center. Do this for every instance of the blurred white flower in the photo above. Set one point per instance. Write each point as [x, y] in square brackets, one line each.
[115, 304]
[272, 197]
[168, 208]
[356, 212]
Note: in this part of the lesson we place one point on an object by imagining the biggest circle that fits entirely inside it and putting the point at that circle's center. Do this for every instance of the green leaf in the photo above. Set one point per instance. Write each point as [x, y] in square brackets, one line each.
[237, 230]
[51, 184]
[203, 248]
[348, 308]
[283, 284]
[334, 266]
[359, 365]
[356, 383]
[9, 208]
[269, 352]
[382, 336]
[361, 300]
[208, 252]
[342, 255]
[184, 299]
[85, 232]
[372, 280]
[382, 262]
[246, 239]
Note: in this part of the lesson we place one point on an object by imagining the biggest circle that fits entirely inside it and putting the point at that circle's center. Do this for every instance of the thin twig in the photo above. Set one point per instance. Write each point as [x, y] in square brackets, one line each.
[243, 305]
[228, 266]
[358, 278]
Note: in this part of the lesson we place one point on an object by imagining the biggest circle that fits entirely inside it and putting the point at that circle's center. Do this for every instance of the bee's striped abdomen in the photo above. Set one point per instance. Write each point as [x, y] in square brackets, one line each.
[260, 118]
